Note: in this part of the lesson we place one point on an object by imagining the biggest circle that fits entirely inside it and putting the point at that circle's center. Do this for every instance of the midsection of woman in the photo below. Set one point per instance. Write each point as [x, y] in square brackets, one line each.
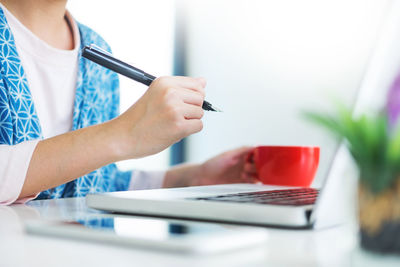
[51, 75]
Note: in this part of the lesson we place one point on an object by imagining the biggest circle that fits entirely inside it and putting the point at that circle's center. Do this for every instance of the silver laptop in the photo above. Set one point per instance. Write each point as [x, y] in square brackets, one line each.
[254, 204]
[250, 204]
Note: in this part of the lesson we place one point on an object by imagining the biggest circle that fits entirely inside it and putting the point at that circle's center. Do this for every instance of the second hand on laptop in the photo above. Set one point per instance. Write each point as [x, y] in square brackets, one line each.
[106, 60]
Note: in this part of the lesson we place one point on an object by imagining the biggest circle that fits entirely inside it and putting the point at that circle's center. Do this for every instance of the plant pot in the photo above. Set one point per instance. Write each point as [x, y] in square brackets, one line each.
[379, 219]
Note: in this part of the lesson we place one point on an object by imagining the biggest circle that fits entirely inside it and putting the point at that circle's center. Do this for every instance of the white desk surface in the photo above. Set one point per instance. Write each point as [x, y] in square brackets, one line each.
[330, 247]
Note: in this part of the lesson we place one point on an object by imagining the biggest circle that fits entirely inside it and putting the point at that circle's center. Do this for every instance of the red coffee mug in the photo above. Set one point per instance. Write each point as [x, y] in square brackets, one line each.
[285, 165]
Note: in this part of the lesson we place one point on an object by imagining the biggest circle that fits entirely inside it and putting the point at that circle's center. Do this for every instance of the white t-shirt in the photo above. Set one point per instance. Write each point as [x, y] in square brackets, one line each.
[51, 75]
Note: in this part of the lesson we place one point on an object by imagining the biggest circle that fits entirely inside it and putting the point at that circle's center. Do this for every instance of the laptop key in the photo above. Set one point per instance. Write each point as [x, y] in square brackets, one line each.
[293, 197]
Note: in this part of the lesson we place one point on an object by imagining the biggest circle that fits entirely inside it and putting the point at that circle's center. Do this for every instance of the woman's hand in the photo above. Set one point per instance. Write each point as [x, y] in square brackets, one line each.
[170, 110]
[226, 168]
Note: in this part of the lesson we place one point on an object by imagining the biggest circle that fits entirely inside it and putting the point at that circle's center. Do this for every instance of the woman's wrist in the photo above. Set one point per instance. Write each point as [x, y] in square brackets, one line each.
[111, 141]
[119, 142]
[183, 175]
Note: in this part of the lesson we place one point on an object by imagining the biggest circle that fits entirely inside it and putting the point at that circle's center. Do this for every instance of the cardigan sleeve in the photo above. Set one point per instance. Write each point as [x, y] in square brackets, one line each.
[141, 180]
[14, 165]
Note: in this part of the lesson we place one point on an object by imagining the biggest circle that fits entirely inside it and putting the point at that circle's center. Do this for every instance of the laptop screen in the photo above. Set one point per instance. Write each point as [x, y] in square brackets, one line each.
[381, 67]
[380, 71]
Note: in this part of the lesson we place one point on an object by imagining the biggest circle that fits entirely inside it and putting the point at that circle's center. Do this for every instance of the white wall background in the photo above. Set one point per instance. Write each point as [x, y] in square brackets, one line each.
[141, 33]
[266, 61]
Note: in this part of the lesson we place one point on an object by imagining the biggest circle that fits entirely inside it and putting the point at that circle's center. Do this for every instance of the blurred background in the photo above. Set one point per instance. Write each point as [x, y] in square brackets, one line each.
[265, 61]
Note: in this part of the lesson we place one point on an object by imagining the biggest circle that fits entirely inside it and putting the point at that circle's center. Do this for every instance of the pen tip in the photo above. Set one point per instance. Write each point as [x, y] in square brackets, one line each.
[208, 107]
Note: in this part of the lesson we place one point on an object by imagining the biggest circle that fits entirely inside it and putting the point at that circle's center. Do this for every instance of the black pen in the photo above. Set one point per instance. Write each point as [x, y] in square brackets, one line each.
[106, 60]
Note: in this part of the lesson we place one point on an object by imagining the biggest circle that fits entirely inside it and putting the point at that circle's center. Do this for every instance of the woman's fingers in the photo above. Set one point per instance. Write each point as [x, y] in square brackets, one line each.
[249, 171]
[249, 179]
[250, 167]
[192, 97]
[193, 126]
[195, 84]
[192, 112]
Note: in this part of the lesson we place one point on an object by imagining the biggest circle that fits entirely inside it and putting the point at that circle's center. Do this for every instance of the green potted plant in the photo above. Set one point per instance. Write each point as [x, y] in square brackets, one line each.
[374, 144]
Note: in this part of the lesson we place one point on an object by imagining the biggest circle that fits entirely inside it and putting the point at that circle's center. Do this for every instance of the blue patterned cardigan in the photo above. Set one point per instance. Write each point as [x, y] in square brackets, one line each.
[96, 101]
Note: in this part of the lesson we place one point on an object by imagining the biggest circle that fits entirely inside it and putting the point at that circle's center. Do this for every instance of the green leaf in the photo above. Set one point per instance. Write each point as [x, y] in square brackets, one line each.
[375, 150]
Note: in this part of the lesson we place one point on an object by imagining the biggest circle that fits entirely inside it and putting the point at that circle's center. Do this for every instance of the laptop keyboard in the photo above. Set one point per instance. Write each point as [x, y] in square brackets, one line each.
[290, 197]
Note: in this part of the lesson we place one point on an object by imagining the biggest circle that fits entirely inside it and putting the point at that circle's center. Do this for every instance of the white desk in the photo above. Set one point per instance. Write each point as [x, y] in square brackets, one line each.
[329, 247]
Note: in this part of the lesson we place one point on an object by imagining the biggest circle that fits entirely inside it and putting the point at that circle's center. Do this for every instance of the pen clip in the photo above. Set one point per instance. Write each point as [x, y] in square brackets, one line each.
[95, 47]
